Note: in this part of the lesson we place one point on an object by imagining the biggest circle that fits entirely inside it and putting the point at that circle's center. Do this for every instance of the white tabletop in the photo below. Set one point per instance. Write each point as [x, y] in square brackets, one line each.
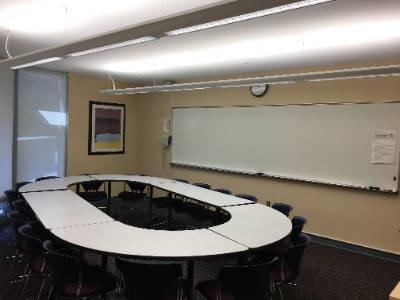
[185, 189]
[120, 239]
[63, 208]
[74, 220]
[203, 195]
[254, 225]
[53, 184]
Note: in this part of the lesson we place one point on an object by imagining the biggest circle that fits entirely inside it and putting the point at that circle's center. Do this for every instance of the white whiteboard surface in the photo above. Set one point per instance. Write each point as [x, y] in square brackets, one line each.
[325, 143]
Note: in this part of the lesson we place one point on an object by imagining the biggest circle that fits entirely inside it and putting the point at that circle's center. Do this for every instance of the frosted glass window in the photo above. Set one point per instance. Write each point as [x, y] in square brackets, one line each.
[42, 124]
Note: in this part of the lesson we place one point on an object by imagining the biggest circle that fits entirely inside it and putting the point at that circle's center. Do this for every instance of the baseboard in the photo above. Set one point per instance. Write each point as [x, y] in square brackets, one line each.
[355, 248]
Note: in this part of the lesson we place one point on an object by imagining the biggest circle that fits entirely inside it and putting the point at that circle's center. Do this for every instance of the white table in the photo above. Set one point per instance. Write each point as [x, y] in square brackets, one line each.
[63, 209]
[53, 184]
[254, 225]
[184, 189]
[121, 239]
[72, 219]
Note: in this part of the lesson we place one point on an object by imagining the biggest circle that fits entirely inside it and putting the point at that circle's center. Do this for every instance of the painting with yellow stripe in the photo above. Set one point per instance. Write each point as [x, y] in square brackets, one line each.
[106, 128]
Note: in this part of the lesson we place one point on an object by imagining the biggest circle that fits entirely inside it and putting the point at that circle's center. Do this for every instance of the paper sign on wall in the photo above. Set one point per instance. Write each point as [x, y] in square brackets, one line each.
[383, 147]
[166, 126]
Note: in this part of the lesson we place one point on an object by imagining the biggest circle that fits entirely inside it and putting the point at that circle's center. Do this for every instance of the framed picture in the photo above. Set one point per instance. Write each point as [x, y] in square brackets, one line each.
[106, 128]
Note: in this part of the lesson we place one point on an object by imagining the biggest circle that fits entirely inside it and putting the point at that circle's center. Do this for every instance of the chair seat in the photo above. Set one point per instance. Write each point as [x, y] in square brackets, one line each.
[94, 281]
[161, 202]
[131, 196]
[209, 290]
[40, 265]
[93, 196]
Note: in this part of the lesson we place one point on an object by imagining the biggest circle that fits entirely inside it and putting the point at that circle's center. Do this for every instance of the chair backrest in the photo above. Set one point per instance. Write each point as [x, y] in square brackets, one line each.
[91, 185]
[283, 208]
[247, 281]
[181, 180]
[135, 186]
[223, 191]
[292, 258]
[65, 266]
[30, 240]
[298, 223]
[46, 177]
[17, 219]
[247, 197]
[148, 281]
[202, 185]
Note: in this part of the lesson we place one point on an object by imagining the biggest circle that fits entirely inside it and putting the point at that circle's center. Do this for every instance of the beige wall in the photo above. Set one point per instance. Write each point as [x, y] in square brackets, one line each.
[81, 90]
[359, 217]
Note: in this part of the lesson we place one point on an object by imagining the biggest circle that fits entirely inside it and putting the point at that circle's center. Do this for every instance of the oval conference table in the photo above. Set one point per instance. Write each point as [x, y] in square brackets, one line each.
[74, 220]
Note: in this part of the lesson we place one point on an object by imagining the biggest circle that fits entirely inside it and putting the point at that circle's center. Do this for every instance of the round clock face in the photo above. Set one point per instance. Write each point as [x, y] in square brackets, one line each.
[258, 90]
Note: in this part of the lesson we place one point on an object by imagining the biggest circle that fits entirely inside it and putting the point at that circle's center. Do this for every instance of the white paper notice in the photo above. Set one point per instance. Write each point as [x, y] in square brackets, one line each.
[383, 147]
[166, 125]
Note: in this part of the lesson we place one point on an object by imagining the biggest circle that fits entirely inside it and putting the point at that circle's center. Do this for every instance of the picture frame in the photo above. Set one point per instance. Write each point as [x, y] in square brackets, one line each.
[106, 128]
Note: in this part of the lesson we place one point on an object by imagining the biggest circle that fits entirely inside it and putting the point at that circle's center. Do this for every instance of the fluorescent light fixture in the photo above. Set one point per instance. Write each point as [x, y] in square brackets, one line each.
[114, 46]
[390, 70]
[38, 62]
[249, 16]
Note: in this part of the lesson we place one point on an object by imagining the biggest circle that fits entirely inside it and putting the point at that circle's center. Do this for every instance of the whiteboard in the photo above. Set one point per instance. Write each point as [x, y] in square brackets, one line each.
[324, 143]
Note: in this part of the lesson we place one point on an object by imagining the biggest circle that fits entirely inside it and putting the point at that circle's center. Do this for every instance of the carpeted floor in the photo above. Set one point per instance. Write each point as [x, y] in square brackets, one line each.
[327, 273]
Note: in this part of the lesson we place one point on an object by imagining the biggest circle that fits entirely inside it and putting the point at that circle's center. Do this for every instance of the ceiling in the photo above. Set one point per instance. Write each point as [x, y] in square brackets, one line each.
[38, 24]
[339, 32]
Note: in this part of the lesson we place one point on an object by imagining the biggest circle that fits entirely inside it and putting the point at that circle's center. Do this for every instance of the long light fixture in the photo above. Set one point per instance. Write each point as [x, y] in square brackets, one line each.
[249, 16]
[114, 46]
[390, 70]
[38, 62]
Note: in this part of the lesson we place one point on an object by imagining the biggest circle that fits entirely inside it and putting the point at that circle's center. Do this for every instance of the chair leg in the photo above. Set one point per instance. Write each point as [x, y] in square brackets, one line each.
[51, 294]
[41, 287]
[280, 291]
[9, 270]
[22, 277]
[26, 284]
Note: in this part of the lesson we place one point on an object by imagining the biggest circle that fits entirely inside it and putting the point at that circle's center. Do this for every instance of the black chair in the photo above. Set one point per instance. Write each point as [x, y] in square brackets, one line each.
[152, 281]
[46, 177]
[73, 277]
[17, 220]
[31, 241]
[14, 194]
[181, 180]
[247, 197]
[92, 191]
[287, 271]
[202, 185]
[243, 282]
[283, 208]
[298, 223]
[136, 194]
[223, 191]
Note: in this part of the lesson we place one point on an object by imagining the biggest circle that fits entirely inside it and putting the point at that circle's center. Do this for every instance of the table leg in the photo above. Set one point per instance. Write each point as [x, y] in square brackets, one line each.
[108, 197]
[150, 204]
[170, 211]
[190, 276]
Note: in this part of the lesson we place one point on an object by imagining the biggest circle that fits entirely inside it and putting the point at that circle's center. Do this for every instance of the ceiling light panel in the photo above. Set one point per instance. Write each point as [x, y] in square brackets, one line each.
[114, 46]
[249, 16]
[65, 16]
[38, 62]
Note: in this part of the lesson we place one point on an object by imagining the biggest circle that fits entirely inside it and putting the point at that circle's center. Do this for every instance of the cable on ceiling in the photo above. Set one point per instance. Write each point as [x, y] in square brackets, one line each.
[6, 45]
[112, 80]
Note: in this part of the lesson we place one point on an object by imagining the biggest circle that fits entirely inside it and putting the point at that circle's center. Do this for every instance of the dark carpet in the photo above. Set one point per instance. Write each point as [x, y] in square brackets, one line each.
[327, 273]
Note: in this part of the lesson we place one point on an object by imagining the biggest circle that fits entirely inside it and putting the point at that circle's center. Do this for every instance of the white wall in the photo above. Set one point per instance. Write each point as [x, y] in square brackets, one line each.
[6, 127]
